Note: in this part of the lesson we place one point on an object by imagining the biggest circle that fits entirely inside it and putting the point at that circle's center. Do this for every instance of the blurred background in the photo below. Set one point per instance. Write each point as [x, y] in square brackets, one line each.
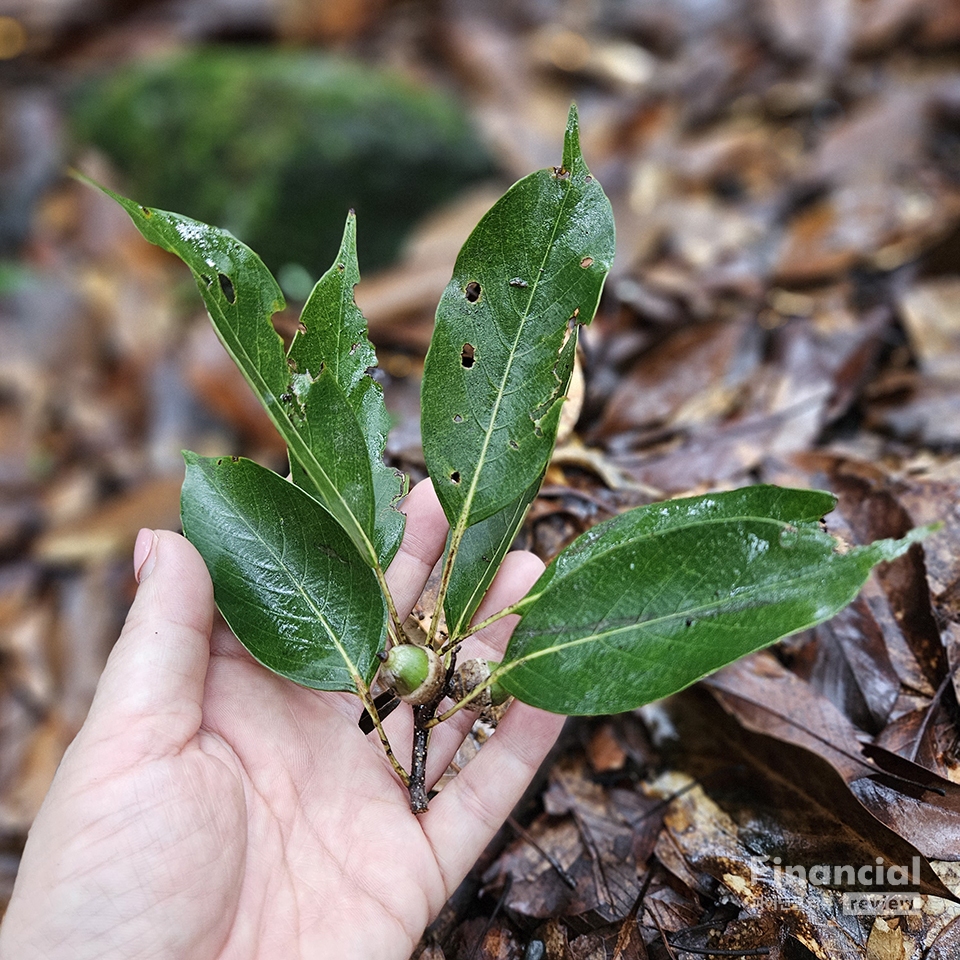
[785, 303]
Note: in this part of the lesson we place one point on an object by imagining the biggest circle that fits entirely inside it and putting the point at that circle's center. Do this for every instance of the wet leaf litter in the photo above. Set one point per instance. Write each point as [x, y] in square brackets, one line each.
[817, 371]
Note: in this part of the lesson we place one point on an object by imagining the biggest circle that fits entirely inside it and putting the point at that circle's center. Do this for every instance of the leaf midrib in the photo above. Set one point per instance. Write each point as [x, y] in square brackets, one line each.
[471, 492]
[531, 598]
[287, 429]
[351, 666]
[748, 593]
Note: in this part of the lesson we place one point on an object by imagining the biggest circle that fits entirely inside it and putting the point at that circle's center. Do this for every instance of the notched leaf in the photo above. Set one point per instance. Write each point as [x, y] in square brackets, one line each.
[333, 337]
[516, 283]
[842, 546]
[327, 443]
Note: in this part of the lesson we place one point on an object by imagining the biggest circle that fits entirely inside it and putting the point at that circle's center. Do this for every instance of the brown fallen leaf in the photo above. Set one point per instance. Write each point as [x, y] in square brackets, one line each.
[946, 946]
[767, 698]
[931, 314]
[595, 834]
[817, 819]
[851, 666]
[772, 904]
[109, 530]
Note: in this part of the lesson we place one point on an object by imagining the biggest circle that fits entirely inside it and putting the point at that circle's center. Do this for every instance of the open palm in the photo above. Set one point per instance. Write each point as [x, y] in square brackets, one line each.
[210, 809]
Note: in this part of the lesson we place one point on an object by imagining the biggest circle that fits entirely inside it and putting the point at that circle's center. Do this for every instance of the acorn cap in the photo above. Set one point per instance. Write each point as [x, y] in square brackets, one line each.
[416, 674]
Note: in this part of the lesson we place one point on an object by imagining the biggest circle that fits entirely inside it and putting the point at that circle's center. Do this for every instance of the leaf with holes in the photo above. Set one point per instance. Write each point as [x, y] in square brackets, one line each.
[311, 409]
[650, 601]
[637, 608]
[287, 579]
[505, 336]
[332, 338]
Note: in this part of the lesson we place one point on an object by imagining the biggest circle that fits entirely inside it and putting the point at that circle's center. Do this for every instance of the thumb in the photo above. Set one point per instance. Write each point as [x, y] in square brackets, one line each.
[154, 676]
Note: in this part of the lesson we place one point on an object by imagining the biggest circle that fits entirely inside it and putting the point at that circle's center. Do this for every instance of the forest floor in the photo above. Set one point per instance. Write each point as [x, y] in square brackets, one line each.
[784, 308]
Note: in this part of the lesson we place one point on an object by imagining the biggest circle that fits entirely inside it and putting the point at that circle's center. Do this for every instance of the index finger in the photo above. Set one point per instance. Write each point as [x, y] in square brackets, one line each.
[422, 546]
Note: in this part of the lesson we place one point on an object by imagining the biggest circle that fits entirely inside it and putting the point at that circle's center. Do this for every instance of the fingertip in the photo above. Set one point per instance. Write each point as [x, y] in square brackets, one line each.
[423, 542]
[157, 667]
[523, 568]
[145, 554]
[422, 499]
[179, 587]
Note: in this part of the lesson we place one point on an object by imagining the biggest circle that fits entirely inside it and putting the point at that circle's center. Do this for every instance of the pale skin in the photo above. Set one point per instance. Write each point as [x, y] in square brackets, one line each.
[210, 809]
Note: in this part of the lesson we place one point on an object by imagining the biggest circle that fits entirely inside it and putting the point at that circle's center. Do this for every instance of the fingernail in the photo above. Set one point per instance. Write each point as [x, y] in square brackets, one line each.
[145, 554]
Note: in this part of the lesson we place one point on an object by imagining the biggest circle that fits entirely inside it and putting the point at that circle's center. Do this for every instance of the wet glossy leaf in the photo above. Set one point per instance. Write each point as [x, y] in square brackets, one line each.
[503, 346]
[649, 602]
[286, 577]
[333, 338]
[312, 413]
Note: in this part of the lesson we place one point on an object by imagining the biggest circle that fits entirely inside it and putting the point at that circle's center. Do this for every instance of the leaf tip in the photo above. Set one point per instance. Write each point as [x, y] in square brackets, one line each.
[81, 177]
[347, 255]
[571, 140]
[921, 533]
[888, 550]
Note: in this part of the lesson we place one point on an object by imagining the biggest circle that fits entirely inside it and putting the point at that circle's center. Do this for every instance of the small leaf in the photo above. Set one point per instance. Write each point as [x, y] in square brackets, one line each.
[482, 548]
[313, 415]
[645, 604]
[287, 579]
[505, 336]
[333, 338]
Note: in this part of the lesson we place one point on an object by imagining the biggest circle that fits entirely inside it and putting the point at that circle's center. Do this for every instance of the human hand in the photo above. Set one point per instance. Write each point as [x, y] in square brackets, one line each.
[211, 809]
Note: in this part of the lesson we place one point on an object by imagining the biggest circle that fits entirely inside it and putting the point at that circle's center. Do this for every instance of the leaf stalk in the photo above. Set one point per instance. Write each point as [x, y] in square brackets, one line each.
[364, 692]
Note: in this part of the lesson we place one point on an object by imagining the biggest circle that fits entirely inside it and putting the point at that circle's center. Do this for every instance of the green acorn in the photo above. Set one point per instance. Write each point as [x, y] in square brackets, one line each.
[416, 674]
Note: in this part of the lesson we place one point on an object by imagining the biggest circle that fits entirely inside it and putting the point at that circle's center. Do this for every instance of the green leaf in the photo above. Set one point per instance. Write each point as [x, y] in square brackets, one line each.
[504, 342]
[313, 416]
[287, 579]
[657, 598]
[482, 548]
[333, 339]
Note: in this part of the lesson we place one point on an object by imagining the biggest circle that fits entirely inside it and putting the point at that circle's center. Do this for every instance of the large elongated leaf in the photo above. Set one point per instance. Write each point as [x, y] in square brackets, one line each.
[657, 598]
[286, 577]
[312, 413]
[333, 339]
[504, 340]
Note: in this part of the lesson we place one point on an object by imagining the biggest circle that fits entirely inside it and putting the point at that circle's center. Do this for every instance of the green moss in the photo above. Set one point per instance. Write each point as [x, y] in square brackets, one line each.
[276, 146]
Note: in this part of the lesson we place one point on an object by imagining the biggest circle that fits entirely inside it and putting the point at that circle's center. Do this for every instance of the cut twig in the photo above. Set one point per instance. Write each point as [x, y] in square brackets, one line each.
[423, 714]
